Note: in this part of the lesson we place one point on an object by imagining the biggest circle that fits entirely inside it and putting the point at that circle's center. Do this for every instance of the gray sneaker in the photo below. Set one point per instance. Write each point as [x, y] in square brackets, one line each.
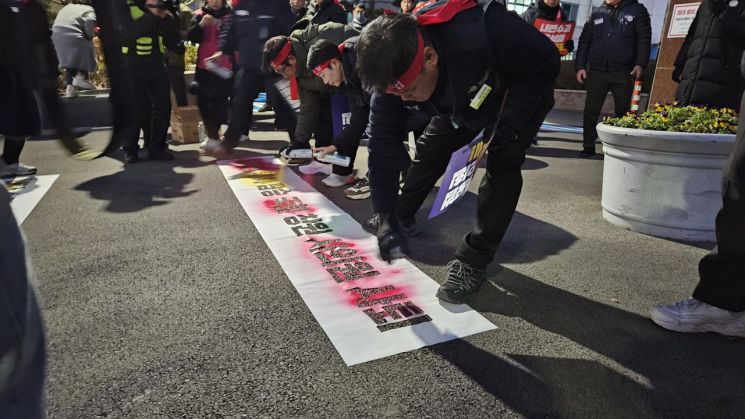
[463, 282]
[17, 169]
[694, 316]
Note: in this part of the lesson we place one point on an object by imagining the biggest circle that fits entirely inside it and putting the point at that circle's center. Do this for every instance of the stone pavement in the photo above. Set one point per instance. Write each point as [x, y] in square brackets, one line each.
[161, 300]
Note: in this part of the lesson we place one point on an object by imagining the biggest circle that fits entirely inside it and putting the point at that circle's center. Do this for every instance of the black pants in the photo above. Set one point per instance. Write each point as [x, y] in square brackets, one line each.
[12, 147]
[722, 271]
[151, 91]
[213, 100]
[620, 84]
[178, 84]
[246, 88]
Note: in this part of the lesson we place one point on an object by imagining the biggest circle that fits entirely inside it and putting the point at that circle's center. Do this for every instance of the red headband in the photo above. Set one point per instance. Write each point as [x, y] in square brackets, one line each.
[282, 56]
[413, 71]
[320, 67]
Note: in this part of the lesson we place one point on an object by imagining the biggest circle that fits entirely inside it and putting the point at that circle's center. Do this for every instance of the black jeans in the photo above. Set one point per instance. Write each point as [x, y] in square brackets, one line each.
[12, 147]
[620, 84]
[151, 91]
[247, 86]
[722, 271]
[213, 100]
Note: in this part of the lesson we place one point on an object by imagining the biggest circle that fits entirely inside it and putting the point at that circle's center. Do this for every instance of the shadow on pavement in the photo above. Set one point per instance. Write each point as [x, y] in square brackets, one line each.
[561, 153]
[527, 239]
[141, 185]
[662, 373]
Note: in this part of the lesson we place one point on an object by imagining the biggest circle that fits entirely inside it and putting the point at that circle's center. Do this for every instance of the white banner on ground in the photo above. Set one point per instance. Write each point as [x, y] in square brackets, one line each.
[368, 309]
[26, 192]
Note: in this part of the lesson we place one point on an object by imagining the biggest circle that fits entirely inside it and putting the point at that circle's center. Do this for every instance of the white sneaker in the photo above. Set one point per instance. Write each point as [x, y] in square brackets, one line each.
[243, 139]
[82, 84]
[316, 167]
[692, 315]
[209, 145]
[17, 169]
[334, 181]
[71, 91]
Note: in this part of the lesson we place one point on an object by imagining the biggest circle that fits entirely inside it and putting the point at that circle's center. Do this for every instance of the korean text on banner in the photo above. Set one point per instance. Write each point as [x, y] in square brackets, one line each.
[558, 32]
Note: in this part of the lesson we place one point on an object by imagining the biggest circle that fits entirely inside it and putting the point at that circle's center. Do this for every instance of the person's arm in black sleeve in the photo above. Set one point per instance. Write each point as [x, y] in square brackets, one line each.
[585, 39]
[733, 22]
[170, 31]
[227, 36]
[643, 30]
[680, 60]
[194, 32]
[387, 132]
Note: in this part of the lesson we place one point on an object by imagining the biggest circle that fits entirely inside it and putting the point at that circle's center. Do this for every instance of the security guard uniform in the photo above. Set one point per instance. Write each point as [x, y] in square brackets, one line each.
[144, 47]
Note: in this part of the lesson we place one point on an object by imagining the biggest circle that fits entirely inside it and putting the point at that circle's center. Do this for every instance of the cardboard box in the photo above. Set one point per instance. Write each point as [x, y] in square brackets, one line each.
[185, 124]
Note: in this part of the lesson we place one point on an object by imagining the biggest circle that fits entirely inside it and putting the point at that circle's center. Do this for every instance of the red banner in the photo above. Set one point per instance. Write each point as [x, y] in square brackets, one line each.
[558, 32]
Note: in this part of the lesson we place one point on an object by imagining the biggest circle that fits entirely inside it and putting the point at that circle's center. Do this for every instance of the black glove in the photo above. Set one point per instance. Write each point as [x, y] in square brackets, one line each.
[391, 243]
[569, 45]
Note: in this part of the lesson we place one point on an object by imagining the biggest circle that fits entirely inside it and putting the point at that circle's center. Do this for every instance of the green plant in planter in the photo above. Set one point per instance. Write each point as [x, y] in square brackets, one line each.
[190, 56]
[671, 117]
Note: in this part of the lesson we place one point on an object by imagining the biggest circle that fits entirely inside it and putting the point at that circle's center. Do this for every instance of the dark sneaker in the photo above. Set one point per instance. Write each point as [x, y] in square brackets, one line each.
[463, 281]
[131, 158]
[359, 190]
[587, 152]
[159, 155]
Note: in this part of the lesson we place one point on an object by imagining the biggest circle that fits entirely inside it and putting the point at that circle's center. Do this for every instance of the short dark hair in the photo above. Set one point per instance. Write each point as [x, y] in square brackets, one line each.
[322, 51]
[271, 49]
[385, 50]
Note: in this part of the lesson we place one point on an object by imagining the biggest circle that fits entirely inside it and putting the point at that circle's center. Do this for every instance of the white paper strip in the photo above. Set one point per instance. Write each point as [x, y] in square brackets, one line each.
[26, 192]
[368, 309]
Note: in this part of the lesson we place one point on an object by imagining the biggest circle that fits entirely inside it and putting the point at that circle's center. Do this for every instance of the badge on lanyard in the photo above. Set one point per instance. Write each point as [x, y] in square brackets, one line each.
[478, 100]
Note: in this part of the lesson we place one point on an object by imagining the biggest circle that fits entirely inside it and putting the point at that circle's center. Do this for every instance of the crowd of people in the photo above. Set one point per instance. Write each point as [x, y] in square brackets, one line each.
[443, 70]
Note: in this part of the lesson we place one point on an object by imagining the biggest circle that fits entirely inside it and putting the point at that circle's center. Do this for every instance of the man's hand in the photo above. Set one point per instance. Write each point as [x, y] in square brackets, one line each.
[392, 244]
[581, 75]
[330, 149]
[637, 72]
[207, 20]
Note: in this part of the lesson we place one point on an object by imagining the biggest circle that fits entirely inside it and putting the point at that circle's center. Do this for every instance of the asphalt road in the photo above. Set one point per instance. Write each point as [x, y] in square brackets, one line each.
[161, 300]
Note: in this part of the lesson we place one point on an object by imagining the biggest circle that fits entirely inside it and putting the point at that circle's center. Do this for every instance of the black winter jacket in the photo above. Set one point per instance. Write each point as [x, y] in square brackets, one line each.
[516, 57]
[540, 10]
[329, 11]
[359, 100]
[250, 25]
[708, 64]
[615, 38]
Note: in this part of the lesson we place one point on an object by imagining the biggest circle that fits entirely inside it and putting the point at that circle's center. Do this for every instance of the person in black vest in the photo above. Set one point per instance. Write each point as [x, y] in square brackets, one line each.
[483, 69]
[613, 51]
[707, 64]
[151, 30]
[718, 302]
[324, 11]
[548, 10]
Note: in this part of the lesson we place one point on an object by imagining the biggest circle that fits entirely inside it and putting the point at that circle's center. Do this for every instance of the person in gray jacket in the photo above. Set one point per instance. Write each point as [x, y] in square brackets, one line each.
[72, 33]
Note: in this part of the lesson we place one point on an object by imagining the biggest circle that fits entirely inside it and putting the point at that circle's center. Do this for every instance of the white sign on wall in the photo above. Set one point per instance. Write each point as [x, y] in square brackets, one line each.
[681, 19]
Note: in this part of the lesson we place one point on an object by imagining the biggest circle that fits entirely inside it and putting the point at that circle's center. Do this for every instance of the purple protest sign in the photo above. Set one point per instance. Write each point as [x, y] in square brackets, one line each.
[459, 174]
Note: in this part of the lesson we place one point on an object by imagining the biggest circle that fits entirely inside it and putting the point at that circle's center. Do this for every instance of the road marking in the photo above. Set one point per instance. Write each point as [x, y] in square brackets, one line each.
[26, 192]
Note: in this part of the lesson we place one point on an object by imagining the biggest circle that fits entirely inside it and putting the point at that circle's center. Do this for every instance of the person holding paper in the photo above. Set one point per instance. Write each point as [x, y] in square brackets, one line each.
[550, 11]
[472, 66]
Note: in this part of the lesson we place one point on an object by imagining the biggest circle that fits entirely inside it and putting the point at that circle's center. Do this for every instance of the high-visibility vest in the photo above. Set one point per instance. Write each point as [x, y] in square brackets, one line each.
[143, 45]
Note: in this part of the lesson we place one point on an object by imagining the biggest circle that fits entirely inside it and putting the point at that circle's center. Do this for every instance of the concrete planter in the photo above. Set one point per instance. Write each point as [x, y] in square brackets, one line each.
[665, 184]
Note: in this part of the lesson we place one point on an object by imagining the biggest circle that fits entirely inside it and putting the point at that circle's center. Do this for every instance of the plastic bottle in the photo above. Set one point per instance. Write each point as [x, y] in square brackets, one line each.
[335, 158]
